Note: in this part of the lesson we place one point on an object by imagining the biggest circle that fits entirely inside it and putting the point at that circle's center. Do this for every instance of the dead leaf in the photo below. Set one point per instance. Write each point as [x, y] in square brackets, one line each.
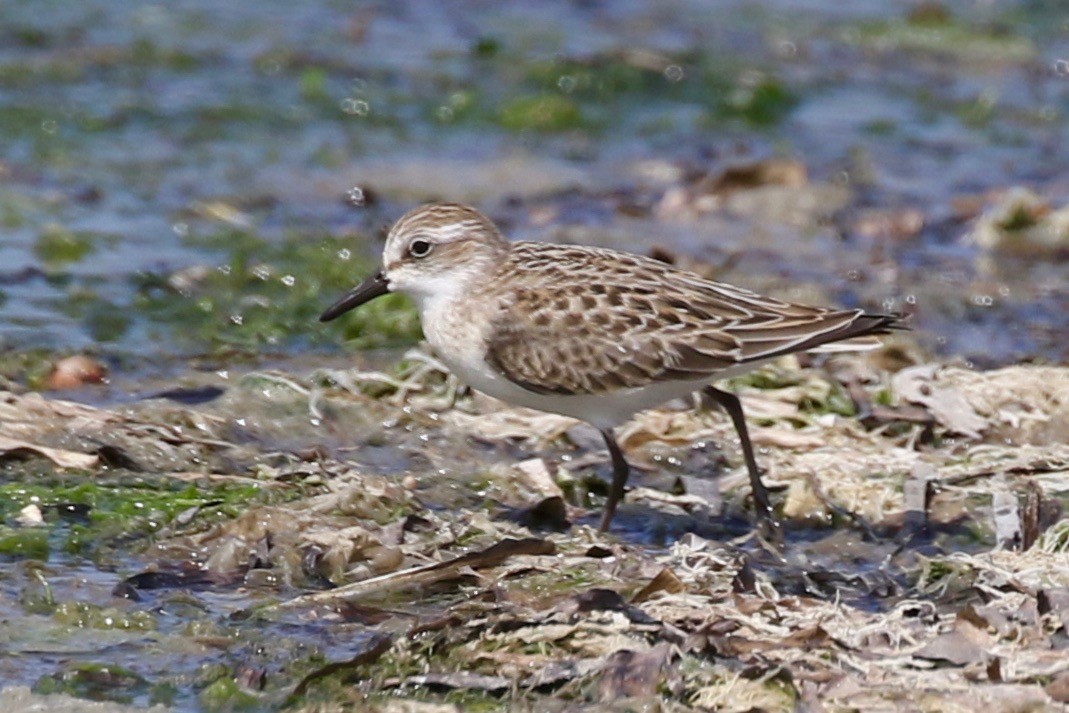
[746, 176]
[536, 476]
[947, 404]
[986, 617]
[460, 680]
[633, 674]
[1055, 601]
[560, 671]
[812, 637]
[784, 438]
[963, 645]
[74, 372]
[601, 599]
[665, 581]
[994, 669]
[1031, 515]
[1058, 689]
[492, 556]
[13, 448]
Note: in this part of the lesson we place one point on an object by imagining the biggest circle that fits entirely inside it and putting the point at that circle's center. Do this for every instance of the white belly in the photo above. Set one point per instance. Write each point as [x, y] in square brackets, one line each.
[603, 411]
[459, 342]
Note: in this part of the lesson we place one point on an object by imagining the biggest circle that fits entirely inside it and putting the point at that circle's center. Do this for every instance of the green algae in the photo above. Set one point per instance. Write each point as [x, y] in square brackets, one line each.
[944, 36]
[58, 245]
[764, 101]
[224, 694]
[95, 681]
[23, 543]
[271, 294]
[541, 113]
[88, 517]
[83, 615]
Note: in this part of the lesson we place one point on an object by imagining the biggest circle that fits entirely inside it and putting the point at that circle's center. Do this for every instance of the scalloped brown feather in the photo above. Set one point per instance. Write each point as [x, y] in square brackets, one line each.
[580, 320]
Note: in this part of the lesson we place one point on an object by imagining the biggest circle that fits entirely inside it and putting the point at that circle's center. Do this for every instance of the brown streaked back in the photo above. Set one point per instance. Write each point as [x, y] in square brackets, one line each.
[579, 320]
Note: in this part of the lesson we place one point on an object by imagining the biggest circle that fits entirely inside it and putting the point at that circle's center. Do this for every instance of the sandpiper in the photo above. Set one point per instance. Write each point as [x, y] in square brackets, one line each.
[591, 333]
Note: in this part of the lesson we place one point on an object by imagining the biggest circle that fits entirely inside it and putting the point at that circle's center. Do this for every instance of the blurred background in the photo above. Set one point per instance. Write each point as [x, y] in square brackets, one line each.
[188, 182]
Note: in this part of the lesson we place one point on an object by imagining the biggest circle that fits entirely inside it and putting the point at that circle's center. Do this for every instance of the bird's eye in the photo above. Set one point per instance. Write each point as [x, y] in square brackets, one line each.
[419, 248]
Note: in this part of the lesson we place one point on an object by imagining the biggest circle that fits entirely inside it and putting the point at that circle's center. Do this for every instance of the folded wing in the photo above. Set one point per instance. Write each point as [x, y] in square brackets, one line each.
[592, 321]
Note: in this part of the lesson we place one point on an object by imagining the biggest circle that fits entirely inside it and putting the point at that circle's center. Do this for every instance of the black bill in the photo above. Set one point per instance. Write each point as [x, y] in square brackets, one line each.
[374, 286]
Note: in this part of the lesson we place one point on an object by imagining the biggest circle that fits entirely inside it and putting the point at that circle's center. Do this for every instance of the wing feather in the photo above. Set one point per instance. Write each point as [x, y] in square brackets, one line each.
[589, 321]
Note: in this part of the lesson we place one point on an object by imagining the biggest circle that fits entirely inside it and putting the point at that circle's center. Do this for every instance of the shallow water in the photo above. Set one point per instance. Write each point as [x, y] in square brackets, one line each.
[136, 135]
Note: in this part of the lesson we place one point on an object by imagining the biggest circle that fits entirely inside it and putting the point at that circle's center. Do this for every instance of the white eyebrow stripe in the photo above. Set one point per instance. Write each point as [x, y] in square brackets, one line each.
[446, 232]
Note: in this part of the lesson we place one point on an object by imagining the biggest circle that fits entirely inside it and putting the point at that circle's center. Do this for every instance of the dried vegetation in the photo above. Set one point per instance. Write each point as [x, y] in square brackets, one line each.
[925, 565]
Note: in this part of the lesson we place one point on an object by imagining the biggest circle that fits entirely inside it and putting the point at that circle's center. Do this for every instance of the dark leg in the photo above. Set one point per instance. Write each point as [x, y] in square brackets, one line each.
[620, 470]
[730, 403]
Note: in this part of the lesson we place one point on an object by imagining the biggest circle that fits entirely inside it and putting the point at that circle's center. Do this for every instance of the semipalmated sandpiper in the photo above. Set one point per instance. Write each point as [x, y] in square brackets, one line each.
[588, 332]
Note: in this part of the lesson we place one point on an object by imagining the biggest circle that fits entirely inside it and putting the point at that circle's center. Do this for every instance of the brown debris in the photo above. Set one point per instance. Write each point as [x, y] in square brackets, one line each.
[963, 645]
[848, 619]
[13, 448]
[633, 674]
[492, 556]
[745, 176]
[1021, 222]
[1058, 688]
[665, 581]
[74, 372]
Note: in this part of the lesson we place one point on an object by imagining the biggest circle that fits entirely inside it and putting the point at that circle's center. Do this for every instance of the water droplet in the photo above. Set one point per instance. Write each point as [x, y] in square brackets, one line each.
[357, 198]
[49, 126]
[355, 107]
[673, 73]
[237, 319]
[289, 280]
[566, 83]
[911, 299]
[345, 253]
[180, 229]
[1061, 67]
